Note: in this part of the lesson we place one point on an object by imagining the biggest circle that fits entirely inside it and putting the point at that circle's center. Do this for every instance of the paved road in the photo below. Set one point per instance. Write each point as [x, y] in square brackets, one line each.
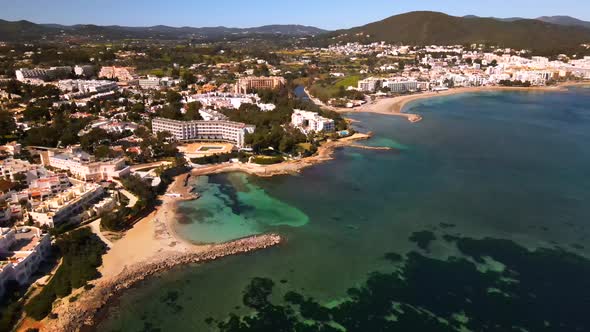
[139, 167]
[132, 198]
[95, 227]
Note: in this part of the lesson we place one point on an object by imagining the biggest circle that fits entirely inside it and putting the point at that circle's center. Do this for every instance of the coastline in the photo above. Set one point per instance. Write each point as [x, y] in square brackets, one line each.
[82, 313]
[153, 246]
[395, 105]
[150, 247]
[325, 152]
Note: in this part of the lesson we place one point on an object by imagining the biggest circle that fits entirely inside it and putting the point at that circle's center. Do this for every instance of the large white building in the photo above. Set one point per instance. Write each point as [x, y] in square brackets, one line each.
[149, 83]
[84, 166]
[311, 122]
[39, 74]
[370, 84]
[67, 206]
[21, 252]
[535, 77]
[401, 86]
[210, 115]
[215, 130]
[87, 86]
[224, 100]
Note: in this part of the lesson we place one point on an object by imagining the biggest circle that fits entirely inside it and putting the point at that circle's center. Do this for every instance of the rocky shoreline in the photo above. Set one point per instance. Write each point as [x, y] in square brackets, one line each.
[325, 153]
[82, 313]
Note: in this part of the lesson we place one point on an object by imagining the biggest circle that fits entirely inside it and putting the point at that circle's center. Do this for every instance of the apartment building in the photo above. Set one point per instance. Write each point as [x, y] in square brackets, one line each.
[10, 167]
[224, 100]
[67, 206]
[84, 70]
[123, 74]
[247, 84]
[21, 252]
[38, 75]
[11, 148]
[210, 115]
[153, 82]
[370, 84]
[311, 122]
[87, 86]
[215, 130]
[110, 126]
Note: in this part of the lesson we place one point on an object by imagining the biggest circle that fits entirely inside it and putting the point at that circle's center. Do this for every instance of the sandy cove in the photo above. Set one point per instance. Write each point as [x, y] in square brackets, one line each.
[395, 105]
[150, 247]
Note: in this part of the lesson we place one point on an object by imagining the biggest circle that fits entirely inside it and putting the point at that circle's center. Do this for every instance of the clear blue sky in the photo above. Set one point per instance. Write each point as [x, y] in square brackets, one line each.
[328, 14]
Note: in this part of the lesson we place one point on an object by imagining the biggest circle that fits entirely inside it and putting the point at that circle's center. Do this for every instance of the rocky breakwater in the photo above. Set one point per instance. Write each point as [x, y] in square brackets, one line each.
[82, 313]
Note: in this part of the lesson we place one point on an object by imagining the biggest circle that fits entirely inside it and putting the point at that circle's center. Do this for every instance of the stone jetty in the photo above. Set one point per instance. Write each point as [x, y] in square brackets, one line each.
[77, 315]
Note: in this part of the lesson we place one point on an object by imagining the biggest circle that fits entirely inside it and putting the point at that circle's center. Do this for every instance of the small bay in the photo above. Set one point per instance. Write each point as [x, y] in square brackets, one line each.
[489, 188]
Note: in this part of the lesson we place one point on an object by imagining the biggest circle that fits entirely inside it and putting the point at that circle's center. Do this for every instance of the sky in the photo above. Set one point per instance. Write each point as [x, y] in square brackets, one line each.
[327, 14]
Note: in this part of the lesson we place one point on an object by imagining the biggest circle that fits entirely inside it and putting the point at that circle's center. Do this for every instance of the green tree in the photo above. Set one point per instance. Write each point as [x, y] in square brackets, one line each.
[92, 139]
[171, 111]
[7, 124]
[82, 255]
[192, 111]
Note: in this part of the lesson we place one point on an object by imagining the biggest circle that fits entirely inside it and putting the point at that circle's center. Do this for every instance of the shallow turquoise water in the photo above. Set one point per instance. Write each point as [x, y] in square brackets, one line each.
[505, 165]
[231, 209]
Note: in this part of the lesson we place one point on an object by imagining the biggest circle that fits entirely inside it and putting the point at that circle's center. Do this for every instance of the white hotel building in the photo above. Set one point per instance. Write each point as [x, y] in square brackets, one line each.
[215, 130]
[311, 122]
[85, 167]
[401, 86]
[370, 84]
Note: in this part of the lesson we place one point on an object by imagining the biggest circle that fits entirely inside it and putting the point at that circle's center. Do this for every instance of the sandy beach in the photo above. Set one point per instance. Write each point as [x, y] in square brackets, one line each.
[150, 247]
[395, 105]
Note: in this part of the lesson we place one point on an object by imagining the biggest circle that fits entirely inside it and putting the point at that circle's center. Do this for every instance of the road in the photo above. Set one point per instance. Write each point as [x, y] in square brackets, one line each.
[132, 198]
[95, 227]
[139, 167]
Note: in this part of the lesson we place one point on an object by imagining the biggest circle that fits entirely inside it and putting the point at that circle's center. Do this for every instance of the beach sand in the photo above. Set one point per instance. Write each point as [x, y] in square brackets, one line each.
[150, 236]
[152, 244]
[395, 105]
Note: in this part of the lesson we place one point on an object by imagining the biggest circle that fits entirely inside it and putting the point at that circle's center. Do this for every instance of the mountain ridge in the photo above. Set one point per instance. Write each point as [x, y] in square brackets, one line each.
[427, 28]
[25, 30]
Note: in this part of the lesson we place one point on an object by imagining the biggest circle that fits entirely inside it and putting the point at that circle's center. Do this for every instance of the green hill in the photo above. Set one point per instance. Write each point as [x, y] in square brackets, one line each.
[426, 28]
[28, 31]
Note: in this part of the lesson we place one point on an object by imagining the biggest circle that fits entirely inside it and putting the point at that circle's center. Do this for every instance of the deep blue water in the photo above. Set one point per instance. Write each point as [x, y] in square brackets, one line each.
[480, 168]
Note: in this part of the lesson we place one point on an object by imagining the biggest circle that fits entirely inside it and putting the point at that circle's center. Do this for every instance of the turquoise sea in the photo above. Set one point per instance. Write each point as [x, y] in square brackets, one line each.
[478, 220]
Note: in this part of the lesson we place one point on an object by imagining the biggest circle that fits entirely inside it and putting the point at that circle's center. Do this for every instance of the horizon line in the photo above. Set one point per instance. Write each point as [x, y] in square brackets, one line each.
[283, 24]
